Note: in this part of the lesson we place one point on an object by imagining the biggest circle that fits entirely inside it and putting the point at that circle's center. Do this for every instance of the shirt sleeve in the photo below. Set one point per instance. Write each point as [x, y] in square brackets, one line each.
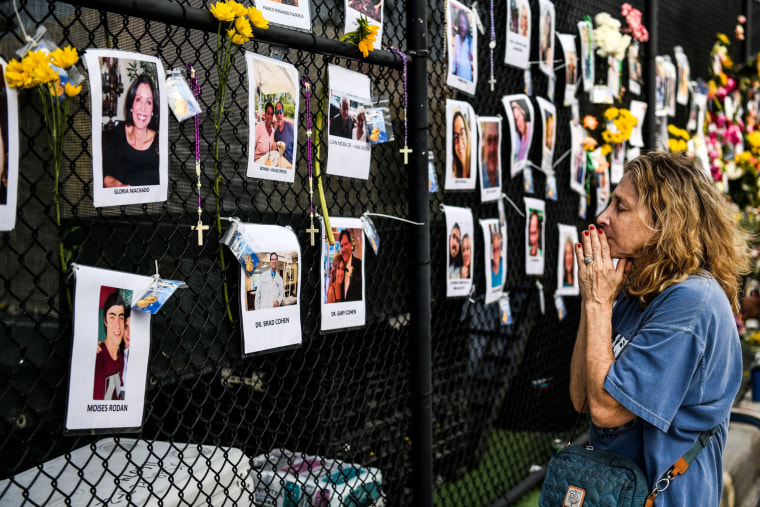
[652, 376]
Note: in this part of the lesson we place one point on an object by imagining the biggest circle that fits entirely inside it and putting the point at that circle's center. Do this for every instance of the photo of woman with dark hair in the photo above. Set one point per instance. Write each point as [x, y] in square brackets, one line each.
[461, 145]
[130, 148]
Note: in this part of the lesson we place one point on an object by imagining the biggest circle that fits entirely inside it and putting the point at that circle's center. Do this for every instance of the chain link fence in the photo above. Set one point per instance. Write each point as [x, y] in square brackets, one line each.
[499, 393]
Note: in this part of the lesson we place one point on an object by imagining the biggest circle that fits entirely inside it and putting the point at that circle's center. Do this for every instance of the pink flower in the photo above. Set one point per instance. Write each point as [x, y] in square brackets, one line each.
[625, 9]
[730, 84]
[720, 118]
[741, 19]
[721, 94]
[734, 134]
[739, 32]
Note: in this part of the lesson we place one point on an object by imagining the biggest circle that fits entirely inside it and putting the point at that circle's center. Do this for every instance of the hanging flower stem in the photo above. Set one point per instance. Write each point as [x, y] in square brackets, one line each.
[317, 170]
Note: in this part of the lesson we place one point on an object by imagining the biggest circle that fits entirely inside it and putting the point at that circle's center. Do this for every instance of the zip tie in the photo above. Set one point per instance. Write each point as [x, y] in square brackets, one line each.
[505, 196]
[367, 213]
[560, 159]
[72, 267]
[534, 165]
[231, 219]
[561, 66]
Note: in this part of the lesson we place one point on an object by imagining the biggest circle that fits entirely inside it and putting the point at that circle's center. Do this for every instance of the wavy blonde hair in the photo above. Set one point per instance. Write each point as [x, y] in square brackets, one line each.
[693, 230]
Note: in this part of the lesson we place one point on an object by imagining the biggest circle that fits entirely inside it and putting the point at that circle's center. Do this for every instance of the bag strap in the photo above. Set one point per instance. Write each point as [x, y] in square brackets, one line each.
[681, 465]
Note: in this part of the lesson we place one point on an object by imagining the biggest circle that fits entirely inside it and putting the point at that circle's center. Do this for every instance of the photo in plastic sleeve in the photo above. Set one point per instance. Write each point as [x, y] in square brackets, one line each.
[635, 69]
[577, 159]
[495, 258]
[660, 86]
[520, 116]
[617, 162]
[602, 175]
[376, 128]
[549, 122]
[587, 54]
[639, 110]
[342, 274]
[461, 135]
[349, 151]
[551, 187]
[110, 352]
[271, 316]
[273, 114]
[180, 98]
[528, 180]
[9, 152]
[671, 78]
[567, 267]
[154, 298]
[130, 128]
[235, 238]
[460, 252]
[546, 37]
[490, 157]
[582, 207]
[432, 180]
[286, 13]
[372, 10]
[614, 67]
[567, 41]
[462, 40]
[534, 236]
[517, 52]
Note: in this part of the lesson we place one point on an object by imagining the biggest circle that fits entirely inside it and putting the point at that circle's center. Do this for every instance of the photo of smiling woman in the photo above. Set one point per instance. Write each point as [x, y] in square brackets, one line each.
[130, 147]
[460, 159]
[129, 128]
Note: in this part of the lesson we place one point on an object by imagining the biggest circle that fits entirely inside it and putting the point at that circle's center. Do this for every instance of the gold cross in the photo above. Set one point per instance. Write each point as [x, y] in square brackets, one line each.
[406, 151]
[492, 81]
[312, 230]
[200, 228]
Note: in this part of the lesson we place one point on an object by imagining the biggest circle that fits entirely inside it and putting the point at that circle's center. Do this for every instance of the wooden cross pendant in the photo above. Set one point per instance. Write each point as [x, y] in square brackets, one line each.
[200, 228]
[312, 230]
[406, 151]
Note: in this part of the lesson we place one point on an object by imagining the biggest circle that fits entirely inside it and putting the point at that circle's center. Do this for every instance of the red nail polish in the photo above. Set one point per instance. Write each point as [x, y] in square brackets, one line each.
[586, 233]
[578, 245]
[591, 227]
[601, 231]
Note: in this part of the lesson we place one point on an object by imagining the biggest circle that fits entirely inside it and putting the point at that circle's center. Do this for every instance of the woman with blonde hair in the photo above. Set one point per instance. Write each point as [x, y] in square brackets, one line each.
[664, 365]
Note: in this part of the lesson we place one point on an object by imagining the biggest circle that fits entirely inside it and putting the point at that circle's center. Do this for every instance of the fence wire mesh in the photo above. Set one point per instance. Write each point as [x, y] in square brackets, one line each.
[499, 392]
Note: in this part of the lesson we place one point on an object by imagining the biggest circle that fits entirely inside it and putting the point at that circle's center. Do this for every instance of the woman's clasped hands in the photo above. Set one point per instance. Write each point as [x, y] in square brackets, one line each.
[599, 279]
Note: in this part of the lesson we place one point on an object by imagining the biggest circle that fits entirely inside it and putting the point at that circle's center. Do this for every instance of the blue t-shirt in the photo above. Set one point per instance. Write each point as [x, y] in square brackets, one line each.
[678, 368]
[286, 136]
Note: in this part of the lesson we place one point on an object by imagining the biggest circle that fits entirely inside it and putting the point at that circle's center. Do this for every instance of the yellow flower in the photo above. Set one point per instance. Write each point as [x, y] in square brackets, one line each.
[753, 138]
[606, 149]
[64, 58]
[617, 138]
[365, 47]
[222, 11]
[722, 37]
[44, 74]
[71, 90]
[611, 113]
[589, 143]
[607, 136]
[673, 145]
[236, 37]
[373, 29]
[37, 58]
[723, 78]
[243, 27]
[257, 18]
[238, 8]
[18, 74]
[673, 130]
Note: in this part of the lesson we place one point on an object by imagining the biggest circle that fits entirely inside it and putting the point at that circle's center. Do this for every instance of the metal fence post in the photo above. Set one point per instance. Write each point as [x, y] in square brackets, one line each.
[419, 257]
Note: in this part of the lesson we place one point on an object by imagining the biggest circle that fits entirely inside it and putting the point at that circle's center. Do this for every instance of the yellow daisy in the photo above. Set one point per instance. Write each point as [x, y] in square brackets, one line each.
[64, 57]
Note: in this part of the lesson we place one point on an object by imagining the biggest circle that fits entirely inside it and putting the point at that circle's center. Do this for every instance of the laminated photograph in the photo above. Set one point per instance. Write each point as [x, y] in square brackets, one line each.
[9, 152]
[548, 120]
[462, 40]
[490, 157]
[567, 268]
[271, 315]
[495, 258]
[273, 117]
[130, 128]
[520, 115]
[109, 353]
[349, 151]
[535, 221]
[342, 298]
[546, 37]
[460, 231]
[286, 13]
[370, 9]
[517, 53]
[461, 157]
[571, 67]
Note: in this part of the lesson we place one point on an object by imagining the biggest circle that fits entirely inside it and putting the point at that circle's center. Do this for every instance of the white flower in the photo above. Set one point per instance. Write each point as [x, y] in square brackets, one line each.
[732, 172]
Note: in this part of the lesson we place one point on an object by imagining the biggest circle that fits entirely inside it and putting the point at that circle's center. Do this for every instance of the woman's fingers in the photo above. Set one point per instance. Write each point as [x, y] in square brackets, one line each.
[604, 245]
[596, 246]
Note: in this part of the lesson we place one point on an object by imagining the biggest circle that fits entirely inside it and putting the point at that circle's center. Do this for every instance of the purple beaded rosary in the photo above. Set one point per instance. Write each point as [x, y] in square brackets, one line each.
[492, 46]
[309, 161]
[405, 150]
[196, 89]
